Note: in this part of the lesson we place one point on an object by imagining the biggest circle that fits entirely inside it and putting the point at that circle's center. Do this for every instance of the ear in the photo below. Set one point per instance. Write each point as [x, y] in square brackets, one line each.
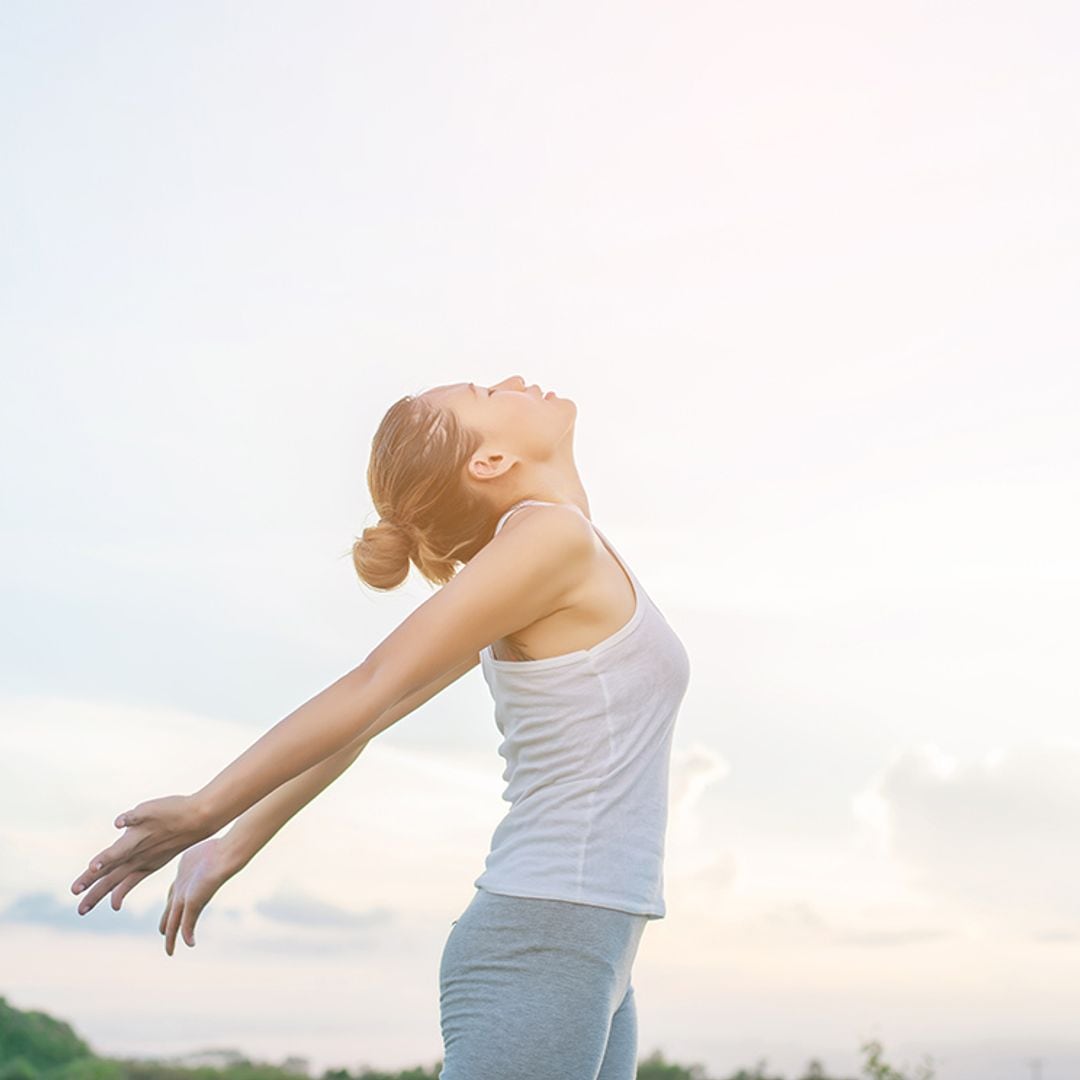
[492, 465]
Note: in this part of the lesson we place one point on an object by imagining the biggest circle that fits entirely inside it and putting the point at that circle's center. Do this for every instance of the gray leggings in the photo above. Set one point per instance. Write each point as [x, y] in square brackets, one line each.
[532, 989]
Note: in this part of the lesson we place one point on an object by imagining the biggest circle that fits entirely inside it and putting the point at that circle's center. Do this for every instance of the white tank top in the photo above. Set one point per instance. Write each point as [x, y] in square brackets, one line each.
[587, 743]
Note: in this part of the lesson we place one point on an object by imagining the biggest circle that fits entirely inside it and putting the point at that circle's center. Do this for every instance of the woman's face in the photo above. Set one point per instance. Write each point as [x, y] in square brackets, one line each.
[517, 420]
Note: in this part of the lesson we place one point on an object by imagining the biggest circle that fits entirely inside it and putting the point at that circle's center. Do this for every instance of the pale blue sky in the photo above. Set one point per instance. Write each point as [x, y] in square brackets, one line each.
[810, 274]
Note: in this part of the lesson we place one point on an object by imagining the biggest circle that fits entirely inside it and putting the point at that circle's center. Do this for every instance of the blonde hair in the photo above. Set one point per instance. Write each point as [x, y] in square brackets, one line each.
[428, 515]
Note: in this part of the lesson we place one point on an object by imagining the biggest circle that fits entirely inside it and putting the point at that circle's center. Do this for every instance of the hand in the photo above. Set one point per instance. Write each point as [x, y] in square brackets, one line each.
[156, 832]
[203, 869]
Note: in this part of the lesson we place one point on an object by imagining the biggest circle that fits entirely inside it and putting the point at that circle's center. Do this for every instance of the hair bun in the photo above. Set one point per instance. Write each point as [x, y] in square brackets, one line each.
[382, 553]
[402, 527]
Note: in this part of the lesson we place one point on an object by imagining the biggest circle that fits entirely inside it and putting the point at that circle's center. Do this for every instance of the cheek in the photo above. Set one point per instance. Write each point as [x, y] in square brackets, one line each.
[526, 423]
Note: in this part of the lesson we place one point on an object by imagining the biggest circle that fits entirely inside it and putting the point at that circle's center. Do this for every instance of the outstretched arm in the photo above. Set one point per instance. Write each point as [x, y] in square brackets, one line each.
[206, 866]
[254, 828]
[259, 824]
[524, 574]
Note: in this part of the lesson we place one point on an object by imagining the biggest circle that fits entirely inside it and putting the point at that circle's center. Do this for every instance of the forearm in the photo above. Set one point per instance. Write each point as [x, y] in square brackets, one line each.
[333, 719]
[254, 828]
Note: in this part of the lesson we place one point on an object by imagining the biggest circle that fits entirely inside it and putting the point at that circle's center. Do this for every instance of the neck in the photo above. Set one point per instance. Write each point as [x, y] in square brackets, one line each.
[559, 484]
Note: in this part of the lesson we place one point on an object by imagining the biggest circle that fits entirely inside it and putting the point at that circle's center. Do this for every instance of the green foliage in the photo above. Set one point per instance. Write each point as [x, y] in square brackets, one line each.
[89, 1068]
[877, 1069]
[372, 1074]
[17, 1068]
[137, 1069]
[40, 1040]
[654, 1067]
[758, 1073]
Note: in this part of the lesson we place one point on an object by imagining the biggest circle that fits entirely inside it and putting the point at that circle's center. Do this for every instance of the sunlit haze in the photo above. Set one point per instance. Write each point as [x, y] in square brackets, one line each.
[809, 274]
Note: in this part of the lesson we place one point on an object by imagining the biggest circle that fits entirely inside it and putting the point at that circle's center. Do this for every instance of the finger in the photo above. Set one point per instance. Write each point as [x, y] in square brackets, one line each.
[172, 926]
[100, 889]
[165, 912]
[187, 924]
[117, 851]
[101, 864]
[126, 886]
[96, 872]
[191, 913]
[130, 848]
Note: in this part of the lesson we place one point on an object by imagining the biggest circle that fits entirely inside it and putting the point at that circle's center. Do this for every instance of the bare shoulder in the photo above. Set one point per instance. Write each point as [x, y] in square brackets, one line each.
[524, 573]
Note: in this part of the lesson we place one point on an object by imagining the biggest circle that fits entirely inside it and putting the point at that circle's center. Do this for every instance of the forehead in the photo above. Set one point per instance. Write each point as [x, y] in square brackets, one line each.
[462, 388]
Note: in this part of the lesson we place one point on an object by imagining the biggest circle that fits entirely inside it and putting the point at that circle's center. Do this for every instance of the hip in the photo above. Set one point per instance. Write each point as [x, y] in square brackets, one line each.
[526, 931]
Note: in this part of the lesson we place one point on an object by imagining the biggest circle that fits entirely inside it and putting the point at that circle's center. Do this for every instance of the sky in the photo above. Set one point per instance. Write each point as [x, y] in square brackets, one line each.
[809, 273]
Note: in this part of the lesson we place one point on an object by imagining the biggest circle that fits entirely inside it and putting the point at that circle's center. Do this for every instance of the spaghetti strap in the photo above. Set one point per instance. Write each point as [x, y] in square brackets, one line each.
[533, 502]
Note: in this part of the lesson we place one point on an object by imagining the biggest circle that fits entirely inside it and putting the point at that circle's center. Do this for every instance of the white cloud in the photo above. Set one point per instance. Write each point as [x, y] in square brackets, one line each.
[698, 865]
[997, 835]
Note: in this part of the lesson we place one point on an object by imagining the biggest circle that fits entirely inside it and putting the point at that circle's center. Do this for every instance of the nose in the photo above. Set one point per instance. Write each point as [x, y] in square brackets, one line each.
[521, 380]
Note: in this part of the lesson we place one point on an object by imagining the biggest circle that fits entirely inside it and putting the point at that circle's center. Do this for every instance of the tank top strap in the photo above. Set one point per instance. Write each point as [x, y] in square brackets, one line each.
[533, 502]
[596, 528]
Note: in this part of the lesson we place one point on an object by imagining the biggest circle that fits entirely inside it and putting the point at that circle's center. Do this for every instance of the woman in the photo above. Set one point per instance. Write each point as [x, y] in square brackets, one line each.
[477, 487]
